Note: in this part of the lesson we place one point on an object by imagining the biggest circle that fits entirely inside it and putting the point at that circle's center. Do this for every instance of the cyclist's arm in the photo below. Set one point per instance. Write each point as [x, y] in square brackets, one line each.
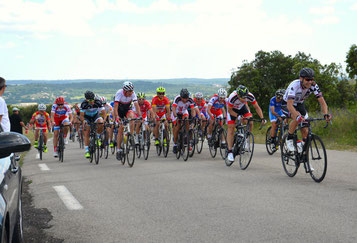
[258, 110]
[272, 109]
[167, 107]
[224, 112]
[81, 116]
[115, 111]
[52, 117]
[104, 114]
[231, 112]
[152, 113]
[174, 111]
[137, 107]
[324, 107]
[292, 110]
[70, 118]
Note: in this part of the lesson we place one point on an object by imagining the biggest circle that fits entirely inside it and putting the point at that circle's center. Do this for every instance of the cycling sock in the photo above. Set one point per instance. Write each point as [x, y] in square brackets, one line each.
[229, 150]
[86, 148]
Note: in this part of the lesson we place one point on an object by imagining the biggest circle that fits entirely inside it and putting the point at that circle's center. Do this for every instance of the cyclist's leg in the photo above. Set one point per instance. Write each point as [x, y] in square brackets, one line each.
[156, 128]
[131, 115]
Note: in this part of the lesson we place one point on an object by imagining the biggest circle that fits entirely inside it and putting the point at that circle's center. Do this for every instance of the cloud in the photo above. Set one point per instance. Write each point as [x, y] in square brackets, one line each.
[7, 45]
[325, 10]
[354, 6]
[327, 20]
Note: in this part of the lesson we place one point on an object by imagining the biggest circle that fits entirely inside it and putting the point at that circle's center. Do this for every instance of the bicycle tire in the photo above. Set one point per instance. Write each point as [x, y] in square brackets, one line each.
[97, 150]
[91, 146]
[186, 144]
[40, 145]
[268, 143]
[179, 145]
[200, 140]
[288, 159]
[61, 147]
[146, 149]
[130, 150]
[246, 154]
[223, 150]
[165, 143]
[192, 142]
[123, 147]
[211, 146]
[319, 170]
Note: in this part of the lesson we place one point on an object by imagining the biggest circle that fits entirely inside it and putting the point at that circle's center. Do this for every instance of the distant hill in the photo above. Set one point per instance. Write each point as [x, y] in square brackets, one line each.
[42, 91]
[174, 80]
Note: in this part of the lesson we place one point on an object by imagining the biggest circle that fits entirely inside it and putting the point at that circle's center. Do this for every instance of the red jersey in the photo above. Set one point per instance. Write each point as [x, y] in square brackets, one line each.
[160, 105]
[143, 108]
[201, 106]
[40, 119]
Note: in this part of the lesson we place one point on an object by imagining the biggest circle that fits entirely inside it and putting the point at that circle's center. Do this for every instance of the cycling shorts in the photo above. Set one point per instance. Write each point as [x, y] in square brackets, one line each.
[242, 112]
[274, 118]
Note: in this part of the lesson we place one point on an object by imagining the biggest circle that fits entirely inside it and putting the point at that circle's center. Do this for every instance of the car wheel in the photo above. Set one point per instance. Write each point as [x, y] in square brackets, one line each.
[18, 236]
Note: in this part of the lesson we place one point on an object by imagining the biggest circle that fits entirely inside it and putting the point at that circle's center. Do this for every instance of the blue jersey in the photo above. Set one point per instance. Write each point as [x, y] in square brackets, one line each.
[112, 104]
[277, 105]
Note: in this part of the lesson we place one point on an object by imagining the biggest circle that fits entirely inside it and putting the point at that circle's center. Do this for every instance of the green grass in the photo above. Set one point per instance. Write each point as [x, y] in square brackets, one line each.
[340, 135]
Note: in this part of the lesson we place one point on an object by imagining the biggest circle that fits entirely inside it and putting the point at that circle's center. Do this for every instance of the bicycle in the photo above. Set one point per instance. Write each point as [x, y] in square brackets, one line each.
[243, 143]
[281, 130]
[115, 134]
[61, 147]
[128, 143]
[144, 142]
[312, 154]
[218, 139]
[94, 148]
[104, 148]
[200, 135]
[164, 140]
[40, 146]
[183, 139]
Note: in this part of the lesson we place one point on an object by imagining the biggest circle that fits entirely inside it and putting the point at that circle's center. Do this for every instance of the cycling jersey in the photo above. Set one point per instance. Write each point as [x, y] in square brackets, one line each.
[216, 105]
[160, 105]
[91, 110]
[40, 119]
[143, 108]
[296, 92]
[234, 101]
[201, 106]
[109, 112]
[124, 102]
[277, 105]
[61, 112]
[182, 107]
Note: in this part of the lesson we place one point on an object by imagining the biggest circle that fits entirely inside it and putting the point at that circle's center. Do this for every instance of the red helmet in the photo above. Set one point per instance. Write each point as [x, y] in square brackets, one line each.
[60, 100]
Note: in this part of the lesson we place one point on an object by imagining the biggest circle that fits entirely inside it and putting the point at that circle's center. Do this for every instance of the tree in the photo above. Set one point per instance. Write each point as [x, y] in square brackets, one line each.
[351, 60]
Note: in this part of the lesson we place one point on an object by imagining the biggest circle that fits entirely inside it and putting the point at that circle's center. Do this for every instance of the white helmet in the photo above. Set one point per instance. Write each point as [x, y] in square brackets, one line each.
[199, 95]
[41, 107]
[222, 93]
[103, 100]
[128, 86]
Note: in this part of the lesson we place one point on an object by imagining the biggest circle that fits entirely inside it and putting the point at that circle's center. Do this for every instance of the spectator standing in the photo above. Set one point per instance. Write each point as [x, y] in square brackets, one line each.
[4, 114]
[16, 121]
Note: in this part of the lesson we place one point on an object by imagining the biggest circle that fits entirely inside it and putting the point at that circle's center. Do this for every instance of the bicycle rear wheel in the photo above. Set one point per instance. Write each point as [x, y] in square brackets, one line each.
[185, 145]
[212, 146]
[130, 150]
[91, 149]
[192, 142]
[200, 139]
[97, 150]
[246, 153]
[268, 144]
[288, 159]
[60, 148]
[317, 158]
[179, 145]
[223, 143]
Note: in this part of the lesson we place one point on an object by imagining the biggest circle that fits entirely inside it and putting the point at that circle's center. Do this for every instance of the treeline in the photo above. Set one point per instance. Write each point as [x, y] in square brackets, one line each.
[270, 71]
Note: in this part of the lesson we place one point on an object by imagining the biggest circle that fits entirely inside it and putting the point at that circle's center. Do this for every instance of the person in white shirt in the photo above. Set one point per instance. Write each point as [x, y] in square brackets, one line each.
[4, 114]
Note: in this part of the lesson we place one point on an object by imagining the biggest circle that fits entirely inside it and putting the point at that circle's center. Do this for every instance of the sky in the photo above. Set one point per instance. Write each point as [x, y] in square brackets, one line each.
[156, 39]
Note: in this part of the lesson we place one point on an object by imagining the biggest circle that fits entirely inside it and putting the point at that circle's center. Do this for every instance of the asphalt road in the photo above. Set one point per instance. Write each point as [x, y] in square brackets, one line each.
[201, 200]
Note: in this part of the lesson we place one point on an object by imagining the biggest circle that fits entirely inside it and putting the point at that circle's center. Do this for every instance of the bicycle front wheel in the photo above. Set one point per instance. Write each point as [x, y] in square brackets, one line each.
[146, 144]
[268, 143]
[246, 153]
[60, 148]
[130, 150]
[200, 139]
[192, 142]
[97, 150]
[212, 146]
[317, 158]
[288, 159]
[40, 145]
[165, 143]
[223, 143]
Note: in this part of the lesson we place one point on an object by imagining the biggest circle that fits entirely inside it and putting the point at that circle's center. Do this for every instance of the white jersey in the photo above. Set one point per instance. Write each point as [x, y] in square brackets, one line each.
[124, 101]
[236, 103]
[182, 107]
[298, 94]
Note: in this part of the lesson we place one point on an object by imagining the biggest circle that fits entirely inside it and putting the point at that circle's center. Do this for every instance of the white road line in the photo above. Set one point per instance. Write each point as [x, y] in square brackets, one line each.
[68, 199]
[43, 167]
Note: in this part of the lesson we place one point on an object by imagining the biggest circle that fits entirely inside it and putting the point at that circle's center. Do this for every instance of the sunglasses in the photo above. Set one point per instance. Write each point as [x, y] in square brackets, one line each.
[3, 86]
[160, 93]
[60, 104]
[141, 99]
[279, 97]
[91, 100]
[309, 79]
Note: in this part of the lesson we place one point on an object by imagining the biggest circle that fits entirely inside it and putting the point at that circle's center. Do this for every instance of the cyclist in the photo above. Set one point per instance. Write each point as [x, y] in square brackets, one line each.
[275, 111]
[123, 99]
[41, 119]
[76, 114]
[202, 108]
[237, 106]
[92, 111]
[145, 106]
[61, 113]
[180, 110]
[161, 107]
[216, 109]
[293, 103]
[108, 118]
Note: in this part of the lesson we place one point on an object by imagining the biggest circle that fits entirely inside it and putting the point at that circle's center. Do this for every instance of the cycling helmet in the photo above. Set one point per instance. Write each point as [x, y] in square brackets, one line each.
[242, 91]
[184, 93]
[279, 92]
[307, 73]
[89, 95]
[103, 100]
[222, 93]
[41, 107]
[128, 86]
[199, 95]
[60, 100]
[160, 90]
[141, 95]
